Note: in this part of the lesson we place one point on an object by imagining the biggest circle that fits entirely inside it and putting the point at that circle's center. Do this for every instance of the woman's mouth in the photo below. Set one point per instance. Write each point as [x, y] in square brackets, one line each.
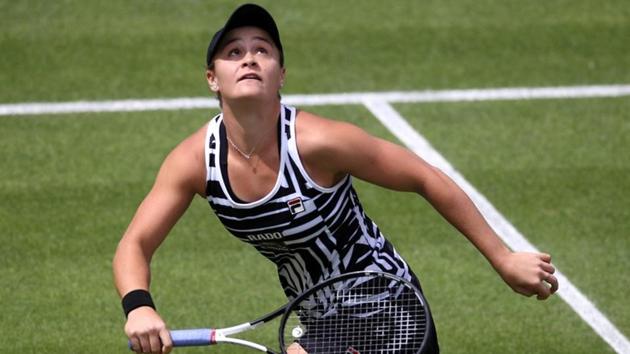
[250, 77]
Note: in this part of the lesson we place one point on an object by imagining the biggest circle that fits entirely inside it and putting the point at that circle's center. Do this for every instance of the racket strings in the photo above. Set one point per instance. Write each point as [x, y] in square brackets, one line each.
[375, 315]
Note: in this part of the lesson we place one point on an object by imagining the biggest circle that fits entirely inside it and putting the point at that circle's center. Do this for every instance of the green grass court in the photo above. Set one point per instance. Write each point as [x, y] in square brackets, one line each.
[557, 169]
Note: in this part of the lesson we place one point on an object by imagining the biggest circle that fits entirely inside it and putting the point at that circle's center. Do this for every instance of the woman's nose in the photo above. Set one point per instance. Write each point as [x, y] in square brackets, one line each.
[249, 59]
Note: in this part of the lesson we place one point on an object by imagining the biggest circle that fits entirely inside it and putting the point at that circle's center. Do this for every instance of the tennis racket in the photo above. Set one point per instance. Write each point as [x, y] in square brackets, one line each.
[353, 313]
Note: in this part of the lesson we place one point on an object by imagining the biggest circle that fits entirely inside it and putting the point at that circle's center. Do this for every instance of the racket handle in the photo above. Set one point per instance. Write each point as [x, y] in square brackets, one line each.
[191, 337]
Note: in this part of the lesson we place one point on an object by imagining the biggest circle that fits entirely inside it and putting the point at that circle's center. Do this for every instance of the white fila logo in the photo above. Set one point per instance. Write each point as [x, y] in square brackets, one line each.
[295, 205]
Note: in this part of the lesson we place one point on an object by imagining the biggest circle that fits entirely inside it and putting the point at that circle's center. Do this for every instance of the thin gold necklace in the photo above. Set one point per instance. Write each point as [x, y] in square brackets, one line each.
[247, 156]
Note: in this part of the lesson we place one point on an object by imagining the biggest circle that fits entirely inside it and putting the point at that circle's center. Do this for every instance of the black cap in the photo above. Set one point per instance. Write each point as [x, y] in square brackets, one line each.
[247, 15]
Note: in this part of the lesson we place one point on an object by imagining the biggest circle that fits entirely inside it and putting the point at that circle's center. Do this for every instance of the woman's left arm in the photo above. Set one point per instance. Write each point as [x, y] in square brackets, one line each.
[351, 150]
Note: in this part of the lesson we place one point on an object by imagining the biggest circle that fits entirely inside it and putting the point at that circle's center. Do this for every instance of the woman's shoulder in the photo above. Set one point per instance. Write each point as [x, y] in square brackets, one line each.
[187, 160]
[322, 132]
[312, 131]
[319, 128]
[321, 143]
[309, 118]
[193, 144]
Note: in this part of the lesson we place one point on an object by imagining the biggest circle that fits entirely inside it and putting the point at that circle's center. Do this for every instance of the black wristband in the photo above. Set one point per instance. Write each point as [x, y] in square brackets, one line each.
[136, 298]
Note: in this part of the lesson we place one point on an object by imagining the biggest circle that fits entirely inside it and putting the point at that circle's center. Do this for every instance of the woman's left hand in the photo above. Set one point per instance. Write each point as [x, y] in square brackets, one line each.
[529, 274]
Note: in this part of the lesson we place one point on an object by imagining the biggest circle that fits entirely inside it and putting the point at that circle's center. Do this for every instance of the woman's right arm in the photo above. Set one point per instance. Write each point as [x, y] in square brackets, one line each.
[181, 176]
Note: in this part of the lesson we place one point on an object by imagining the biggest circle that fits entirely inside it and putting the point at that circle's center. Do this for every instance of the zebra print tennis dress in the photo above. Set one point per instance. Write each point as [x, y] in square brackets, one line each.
[308, 231]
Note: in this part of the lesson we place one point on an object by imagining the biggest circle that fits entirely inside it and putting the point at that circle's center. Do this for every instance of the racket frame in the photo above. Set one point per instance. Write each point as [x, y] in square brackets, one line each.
[288, 309]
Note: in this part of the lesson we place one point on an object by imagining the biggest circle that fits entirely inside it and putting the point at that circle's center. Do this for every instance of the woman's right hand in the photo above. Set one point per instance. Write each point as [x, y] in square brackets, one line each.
[147, 331]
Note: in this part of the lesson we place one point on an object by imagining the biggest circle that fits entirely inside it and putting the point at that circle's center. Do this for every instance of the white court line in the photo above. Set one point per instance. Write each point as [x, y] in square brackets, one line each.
[391, 119]
[517, 93]
[379, 105]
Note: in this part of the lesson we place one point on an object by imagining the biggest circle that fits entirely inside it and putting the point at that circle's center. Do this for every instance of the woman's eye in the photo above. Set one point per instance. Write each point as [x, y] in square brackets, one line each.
[234, 52]
[262, 50]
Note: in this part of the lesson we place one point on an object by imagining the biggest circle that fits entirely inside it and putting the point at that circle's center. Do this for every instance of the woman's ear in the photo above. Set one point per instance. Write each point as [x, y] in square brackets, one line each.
[212, 81]
[283, 73]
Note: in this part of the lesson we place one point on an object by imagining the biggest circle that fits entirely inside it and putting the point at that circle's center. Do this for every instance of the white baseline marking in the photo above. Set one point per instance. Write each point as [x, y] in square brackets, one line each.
[517, 93]
[391, 119]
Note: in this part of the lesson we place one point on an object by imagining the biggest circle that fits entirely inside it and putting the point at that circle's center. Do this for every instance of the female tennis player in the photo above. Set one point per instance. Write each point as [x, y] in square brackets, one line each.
[280, 179]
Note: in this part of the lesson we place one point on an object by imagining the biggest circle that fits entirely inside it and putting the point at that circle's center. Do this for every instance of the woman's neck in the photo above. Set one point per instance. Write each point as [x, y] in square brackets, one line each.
[249, 125]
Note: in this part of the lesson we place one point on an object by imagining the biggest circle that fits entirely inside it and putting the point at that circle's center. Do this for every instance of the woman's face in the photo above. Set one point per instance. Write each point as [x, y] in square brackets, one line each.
[247, 66]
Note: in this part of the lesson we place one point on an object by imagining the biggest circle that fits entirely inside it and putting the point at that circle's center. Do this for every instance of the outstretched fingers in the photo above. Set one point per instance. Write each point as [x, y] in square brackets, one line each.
[547, 267]
[529, 274]
[548, 282]
[545, 257]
